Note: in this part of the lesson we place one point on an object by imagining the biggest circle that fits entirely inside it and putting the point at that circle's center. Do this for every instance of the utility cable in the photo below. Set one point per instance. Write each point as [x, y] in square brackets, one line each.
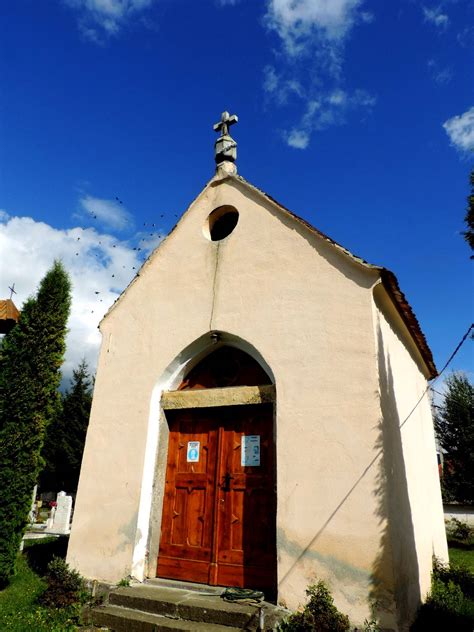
[451, 357]
[454, 352]
[452, 399]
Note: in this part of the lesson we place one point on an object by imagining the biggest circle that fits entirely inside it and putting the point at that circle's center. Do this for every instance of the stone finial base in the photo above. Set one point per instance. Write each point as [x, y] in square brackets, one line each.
[226, 168]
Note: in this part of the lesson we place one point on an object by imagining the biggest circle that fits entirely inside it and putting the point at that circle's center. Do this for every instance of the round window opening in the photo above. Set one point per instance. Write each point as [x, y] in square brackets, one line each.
[221, 222]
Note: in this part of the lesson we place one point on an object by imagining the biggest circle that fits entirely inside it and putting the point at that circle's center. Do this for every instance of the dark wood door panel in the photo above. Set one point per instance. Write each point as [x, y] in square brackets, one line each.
[189, 502]
[247, 504]
[219, 513]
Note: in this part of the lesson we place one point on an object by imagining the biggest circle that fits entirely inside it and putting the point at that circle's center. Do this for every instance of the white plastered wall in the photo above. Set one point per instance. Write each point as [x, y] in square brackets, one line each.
[308, 310]
[414, 504]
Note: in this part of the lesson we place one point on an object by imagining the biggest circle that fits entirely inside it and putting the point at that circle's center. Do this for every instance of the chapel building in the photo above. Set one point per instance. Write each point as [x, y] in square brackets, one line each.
[261, 416]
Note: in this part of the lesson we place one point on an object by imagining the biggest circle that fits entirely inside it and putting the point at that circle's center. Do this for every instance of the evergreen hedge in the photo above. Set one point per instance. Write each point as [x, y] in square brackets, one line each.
[66, 436]
[30, 359]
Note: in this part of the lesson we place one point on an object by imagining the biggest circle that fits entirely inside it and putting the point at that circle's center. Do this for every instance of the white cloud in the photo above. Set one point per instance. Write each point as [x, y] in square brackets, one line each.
[362, 98]
[281, 89]
[111, 213]
[99, 19]
[436, 16]
[324, 111]
[270, 80]
[100, 267]
[460, 130]
[308, 66]
[465, 37]
[338, 97]
[440, 75]
[297, 138]
[298, 22]
[367, 17]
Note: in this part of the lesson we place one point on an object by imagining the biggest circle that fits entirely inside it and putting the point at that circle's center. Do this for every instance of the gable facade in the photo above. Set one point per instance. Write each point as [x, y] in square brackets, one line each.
[357, 491]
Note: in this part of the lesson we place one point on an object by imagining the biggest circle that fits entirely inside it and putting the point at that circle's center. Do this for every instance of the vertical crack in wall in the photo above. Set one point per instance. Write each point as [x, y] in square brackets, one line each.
[214, 284]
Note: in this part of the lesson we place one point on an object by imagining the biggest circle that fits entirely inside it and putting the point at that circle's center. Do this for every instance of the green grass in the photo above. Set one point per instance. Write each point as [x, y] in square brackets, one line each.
[461, 556]
[19, 610]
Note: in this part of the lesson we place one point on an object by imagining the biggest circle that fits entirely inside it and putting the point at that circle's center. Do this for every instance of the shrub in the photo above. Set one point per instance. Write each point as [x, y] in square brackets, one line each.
[445, 609]
[65, 586]
[39, 553]
[319, 615]
[371, 626]
[449, 606]
[459, 575]
[446, 596]
[458, 530]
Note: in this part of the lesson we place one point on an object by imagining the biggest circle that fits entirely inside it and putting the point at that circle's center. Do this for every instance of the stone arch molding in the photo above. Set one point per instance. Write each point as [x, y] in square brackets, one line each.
[169, 380]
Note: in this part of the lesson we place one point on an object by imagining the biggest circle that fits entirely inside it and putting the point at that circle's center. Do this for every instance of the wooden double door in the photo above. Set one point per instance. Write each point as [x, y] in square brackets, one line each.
[219, 510]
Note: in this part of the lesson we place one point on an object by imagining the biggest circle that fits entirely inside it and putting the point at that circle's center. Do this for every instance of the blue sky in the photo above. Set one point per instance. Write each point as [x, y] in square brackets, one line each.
[357, 115]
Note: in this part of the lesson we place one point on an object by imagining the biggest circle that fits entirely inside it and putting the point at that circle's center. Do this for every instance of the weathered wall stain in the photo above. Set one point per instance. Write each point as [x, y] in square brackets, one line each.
[301, 554]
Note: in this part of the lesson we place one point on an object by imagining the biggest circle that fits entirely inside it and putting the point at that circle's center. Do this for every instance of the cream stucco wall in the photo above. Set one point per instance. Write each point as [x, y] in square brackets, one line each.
[308, 310]
[412, 489]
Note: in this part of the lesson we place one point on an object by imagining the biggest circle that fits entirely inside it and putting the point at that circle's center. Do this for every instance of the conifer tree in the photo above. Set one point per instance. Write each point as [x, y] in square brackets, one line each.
[66, 436]
[455, 429]
[469, 218]
[31, 357]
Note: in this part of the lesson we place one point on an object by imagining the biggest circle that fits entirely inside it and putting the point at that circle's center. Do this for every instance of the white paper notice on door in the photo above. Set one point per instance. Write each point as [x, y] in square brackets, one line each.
[192, 455]
[250, 455]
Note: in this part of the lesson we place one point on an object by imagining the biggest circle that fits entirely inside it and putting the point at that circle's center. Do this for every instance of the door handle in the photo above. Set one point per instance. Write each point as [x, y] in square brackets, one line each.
[226, 482]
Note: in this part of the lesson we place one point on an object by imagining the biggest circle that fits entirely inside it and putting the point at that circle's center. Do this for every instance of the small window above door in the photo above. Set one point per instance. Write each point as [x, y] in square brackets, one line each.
[227, 366]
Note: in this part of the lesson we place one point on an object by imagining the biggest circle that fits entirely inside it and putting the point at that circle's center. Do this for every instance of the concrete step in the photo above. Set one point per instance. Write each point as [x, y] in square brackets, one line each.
[186, 604]
[121, 619]
[155, 607]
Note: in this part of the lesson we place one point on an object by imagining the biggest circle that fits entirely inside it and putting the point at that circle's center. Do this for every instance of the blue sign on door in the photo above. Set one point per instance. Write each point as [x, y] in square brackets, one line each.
[250, 451]
[193, 452]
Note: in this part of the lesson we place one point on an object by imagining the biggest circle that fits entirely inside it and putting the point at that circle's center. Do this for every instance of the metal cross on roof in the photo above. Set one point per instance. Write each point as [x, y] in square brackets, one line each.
[226, 121]
[12, 290]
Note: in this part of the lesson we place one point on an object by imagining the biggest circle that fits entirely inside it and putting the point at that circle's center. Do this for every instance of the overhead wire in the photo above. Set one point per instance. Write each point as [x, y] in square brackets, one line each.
[451, 357]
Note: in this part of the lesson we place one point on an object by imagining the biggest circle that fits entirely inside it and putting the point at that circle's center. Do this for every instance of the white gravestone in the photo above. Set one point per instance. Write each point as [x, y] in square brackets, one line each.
[62, 515]
[50, 520]
[32, 514]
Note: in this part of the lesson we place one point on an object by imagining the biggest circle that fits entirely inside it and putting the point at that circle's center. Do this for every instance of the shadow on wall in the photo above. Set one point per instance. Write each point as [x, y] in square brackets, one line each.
[395, 590]
[395, 575]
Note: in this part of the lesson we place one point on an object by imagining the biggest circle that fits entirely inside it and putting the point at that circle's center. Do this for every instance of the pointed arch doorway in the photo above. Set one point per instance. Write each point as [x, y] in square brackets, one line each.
[219, 510]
